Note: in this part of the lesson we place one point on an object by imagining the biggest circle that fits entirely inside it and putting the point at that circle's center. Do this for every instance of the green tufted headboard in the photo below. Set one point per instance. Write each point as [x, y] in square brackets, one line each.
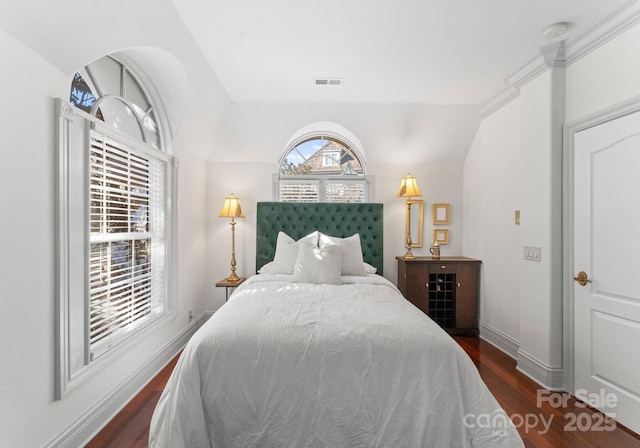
[300, 219]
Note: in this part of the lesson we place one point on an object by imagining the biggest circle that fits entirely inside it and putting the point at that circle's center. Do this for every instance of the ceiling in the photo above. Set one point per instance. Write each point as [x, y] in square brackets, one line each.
[400, 51]
[435, 52]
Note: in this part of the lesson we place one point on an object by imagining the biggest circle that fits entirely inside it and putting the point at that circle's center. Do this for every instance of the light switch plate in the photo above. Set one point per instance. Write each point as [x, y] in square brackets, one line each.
[532, 253]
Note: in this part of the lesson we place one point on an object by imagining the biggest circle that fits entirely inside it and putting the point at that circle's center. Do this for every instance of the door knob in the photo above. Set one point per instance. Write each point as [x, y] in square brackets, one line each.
[582, 278]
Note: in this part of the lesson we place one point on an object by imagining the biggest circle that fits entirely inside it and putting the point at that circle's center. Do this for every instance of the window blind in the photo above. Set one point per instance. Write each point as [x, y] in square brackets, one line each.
[300, 190]
[345, 191]
[325, 190]
[127, 244]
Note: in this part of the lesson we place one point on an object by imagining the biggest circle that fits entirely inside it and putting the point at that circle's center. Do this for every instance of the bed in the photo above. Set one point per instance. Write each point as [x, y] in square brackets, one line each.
[303, 357]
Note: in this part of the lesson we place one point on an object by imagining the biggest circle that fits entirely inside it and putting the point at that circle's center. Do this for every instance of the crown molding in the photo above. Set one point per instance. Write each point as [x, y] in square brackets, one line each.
[550, 56]
[528, 70]
[611, 25]
[498, 101]
[564, 53]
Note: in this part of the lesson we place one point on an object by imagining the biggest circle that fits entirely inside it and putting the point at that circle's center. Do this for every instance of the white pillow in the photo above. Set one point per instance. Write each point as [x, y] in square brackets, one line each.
[318, 265]
[370, 269]
[286, 252]
[352, 261]
[269, 268]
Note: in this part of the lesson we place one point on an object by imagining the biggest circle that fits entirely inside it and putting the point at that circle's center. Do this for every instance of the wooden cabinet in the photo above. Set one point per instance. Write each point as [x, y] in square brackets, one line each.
[447, 290]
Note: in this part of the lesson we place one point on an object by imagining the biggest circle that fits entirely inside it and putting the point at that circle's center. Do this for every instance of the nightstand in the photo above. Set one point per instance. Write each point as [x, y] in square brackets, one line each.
[229, 285]
[446, 289]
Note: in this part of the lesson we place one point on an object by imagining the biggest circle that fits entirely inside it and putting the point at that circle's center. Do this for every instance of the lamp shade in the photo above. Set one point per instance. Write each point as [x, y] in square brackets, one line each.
[409, 188]
[231, 208]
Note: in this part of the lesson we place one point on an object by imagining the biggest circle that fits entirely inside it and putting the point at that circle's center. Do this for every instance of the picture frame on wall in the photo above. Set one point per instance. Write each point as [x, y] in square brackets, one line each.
[441, 236]
[441, 214]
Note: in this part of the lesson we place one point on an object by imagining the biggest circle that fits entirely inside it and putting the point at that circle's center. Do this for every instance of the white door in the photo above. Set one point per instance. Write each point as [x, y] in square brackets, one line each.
[607, 250]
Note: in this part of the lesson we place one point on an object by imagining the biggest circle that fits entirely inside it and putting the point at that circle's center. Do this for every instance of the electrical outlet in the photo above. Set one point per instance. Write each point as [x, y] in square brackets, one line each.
[190, 315]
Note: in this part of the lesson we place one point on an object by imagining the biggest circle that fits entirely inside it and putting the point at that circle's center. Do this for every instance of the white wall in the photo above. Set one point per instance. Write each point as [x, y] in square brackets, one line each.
[492, 193]
[397, 134]
[607, 76]
[26, 267]
[521, 302]
[29, 415]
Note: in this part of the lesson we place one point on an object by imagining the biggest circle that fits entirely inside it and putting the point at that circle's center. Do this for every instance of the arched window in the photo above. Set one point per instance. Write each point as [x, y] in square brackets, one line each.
[116, 214]
[321, 167]
[110, 91]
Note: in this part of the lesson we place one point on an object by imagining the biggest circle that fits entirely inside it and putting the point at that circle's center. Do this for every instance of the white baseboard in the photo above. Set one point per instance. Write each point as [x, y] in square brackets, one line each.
[80, 432]
[499, 340]
[548, 377]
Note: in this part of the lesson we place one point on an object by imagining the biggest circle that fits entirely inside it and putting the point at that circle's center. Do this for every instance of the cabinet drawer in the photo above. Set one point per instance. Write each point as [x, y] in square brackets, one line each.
[442, 268]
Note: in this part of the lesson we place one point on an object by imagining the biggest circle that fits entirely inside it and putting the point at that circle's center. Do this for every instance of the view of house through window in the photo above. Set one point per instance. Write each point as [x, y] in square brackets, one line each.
[322, 169]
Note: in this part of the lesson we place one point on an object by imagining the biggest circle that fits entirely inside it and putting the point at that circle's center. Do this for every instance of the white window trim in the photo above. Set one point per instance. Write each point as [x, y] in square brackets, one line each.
[326, 130]
[72, 275]
[328, 135]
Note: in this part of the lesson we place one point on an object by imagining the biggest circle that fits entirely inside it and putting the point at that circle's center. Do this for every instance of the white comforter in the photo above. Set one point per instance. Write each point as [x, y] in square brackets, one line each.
[299, 365]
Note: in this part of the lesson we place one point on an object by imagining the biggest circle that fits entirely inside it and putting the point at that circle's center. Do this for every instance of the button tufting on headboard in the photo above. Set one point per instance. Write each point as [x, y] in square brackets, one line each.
[300, 219]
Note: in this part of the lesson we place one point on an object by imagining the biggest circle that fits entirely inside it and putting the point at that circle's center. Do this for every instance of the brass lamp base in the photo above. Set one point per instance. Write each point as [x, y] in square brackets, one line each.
[233, 278]
[408, 255]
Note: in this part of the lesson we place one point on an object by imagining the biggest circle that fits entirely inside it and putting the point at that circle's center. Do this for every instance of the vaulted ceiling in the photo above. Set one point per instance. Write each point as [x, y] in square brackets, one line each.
[225, 62]
[400, 51]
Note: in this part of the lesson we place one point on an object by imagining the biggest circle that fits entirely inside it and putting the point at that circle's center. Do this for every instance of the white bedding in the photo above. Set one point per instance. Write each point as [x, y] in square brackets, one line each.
[302, 365]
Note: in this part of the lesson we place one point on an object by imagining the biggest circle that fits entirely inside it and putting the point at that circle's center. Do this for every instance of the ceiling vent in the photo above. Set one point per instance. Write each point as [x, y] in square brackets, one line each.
[329, 81]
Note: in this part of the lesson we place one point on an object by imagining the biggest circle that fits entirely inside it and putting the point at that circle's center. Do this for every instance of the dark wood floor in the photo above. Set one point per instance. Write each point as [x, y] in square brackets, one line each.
[130, 428]
[516, 393]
